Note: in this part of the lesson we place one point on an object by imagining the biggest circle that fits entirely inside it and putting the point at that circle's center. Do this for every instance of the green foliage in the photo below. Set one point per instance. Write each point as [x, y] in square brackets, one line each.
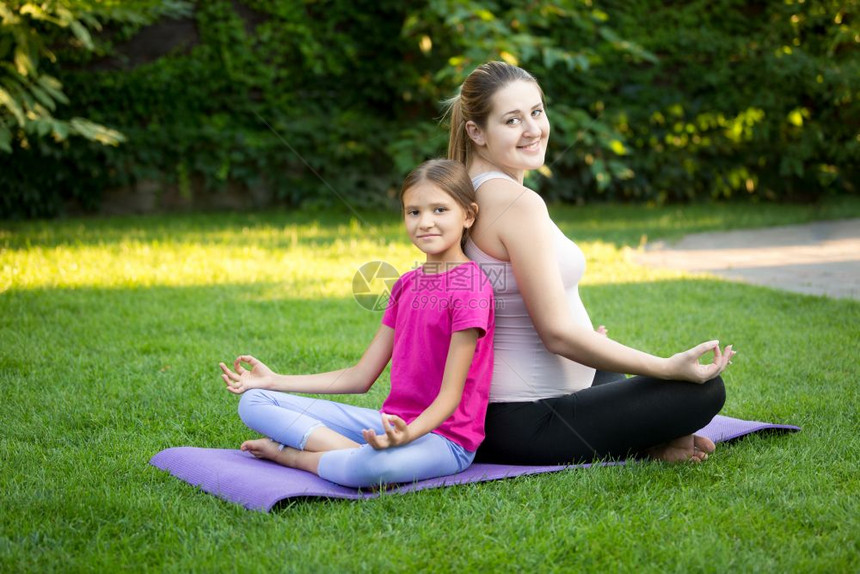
[28, 95]
[30, 33]
[747, 99]
[322, 102]
[39, 168]
[310, 103]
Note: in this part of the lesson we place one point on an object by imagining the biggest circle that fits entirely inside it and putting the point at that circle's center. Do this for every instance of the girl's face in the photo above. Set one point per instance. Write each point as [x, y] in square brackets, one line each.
[517, 130]
[435, 222]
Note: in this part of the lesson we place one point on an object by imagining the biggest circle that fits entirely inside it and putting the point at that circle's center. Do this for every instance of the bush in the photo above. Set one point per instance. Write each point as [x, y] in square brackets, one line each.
[309, 102]
[748, 99]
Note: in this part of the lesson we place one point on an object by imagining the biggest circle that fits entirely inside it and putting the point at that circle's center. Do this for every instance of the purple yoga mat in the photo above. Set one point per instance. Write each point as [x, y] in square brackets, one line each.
[260, 484]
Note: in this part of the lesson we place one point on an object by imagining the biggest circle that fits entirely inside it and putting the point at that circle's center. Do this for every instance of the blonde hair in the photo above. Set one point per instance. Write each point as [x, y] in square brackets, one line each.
[474, 102]
[450, 176]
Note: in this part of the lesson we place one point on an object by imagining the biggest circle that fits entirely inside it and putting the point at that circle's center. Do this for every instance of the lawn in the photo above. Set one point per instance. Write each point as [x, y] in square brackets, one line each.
[110, 335]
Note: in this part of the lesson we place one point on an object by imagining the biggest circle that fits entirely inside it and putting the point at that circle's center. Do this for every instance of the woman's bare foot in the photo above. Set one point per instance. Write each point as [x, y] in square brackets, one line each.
[690, 447]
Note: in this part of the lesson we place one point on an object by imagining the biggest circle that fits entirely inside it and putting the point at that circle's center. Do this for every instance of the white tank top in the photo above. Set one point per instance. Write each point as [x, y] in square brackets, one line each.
[524, 370]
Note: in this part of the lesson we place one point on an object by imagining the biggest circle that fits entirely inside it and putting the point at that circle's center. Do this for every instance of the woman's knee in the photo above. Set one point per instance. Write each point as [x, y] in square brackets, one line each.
[715, 394]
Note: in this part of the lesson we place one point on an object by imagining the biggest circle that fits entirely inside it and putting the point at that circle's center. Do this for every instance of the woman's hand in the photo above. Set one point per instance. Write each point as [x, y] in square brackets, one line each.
[396, 433]
[240, 379]
[686, 366]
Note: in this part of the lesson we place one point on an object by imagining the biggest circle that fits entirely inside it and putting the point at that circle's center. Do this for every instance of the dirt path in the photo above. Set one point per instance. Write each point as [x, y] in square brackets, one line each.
[820, 258]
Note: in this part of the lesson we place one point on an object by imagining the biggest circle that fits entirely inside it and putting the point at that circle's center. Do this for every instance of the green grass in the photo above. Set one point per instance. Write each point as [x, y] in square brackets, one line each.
[110, 335]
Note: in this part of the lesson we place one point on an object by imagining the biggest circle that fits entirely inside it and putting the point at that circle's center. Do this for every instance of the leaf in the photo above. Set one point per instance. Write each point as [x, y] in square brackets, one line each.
[9, 17]
[617, 147]
[21, 94]
[91, 21]
[42, 127]
[551, 56]
[619, 169]
[12, 105]
[609, 35]
[82, 34]
[598, 170]
[60, 130]
[33, 10]
[43, 97]
[96, 132]
[53, 87]
[485, 15]
[795, 117]
[509, 58]
[23, 62]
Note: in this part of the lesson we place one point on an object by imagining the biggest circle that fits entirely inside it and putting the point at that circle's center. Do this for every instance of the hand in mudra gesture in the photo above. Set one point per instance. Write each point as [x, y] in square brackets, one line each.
[396, 433]
[240, 379]
[685, 366]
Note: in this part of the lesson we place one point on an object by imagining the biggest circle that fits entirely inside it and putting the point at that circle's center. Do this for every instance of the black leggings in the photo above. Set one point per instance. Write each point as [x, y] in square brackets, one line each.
[614, 418]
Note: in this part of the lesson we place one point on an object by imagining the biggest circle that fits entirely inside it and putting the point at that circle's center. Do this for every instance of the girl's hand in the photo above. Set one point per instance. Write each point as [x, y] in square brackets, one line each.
[240, 379]
[396, 433]
[686, 366]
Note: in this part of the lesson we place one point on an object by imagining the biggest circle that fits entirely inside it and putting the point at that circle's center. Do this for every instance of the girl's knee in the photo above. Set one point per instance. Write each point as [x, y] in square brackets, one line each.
[249, 400]
[377, 469]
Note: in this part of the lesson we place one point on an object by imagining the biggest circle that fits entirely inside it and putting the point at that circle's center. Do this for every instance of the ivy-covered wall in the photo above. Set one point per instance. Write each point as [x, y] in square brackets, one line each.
[254, 102]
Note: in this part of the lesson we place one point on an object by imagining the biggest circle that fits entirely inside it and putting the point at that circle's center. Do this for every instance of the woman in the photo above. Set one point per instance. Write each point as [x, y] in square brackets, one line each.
[555, 395]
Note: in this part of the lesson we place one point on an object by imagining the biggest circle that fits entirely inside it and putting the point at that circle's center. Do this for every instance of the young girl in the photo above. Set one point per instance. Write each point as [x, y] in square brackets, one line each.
[438, 333]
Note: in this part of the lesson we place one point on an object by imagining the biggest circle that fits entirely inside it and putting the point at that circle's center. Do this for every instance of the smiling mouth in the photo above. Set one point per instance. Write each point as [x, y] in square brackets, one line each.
[531, 147]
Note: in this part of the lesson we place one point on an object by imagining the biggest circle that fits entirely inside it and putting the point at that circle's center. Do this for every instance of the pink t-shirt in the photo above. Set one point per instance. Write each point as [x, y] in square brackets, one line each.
[425, 310]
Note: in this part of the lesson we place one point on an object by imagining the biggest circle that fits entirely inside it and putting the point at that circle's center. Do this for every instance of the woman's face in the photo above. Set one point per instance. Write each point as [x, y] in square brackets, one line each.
[517, 130]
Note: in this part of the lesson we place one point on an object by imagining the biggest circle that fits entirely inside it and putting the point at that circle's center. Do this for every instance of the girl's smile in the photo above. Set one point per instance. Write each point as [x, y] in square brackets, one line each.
[435, 222]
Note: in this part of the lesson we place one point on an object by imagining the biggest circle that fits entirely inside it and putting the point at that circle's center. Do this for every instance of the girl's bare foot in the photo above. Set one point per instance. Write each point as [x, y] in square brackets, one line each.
[262, 448]
[287, 456]
[690, 447]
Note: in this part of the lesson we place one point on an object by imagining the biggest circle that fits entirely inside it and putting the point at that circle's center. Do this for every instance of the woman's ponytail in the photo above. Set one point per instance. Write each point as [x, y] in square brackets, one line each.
[458, 139]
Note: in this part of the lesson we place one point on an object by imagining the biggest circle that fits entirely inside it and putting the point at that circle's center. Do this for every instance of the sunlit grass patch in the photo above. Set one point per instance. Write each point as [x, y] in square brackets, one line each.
[307, 270]
[309, 259]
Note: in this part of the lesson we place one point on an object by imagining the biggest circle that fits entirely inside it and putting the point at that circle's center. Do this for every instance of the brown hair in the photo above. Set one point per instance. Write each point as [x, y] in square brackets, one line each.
[450, 176]
[475, 101]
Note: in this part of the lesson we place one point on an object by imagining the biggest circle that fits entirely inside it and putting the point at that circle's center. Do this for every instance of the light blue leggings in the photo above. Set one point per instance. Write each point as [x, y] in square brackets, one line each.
[290, 419]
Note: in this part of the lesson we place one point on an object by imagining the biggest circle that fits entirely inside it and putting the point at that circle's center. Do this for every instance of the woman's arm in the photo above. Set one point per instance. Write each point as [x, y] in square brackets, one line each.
[461, 351]
[357, 379]
[526, 232]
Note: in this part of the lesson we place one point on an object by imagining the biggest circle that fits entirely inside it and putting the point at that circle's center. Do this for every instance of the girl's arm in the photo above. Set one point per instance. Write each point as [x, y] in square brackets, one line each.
[397, 432]
[527, 235]
[357, 379]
